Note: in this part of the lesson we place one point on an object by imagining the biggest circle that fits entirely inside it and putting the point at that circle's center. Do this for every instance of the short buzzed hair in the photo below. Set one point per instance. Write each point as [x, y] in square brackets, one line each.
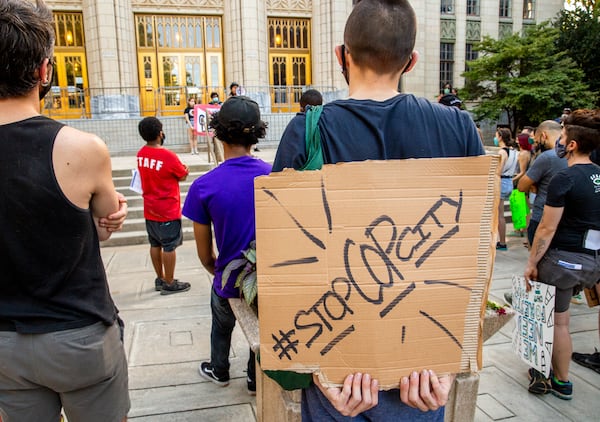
[26, 39]
[380, 34]
[310, 97]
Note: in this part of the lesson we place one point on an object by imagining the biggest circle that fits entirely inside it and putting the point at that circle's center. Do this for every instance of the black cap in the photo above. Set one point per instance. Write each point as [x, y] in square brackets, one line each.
[240, 111]
[233, 84]
[451, 100]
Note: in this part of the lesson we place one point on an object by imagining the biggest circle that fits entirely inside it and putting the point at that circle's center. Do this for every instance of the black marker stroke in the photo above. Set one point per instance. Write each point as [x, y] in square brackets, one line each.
[448, 283]
[336, 340]
[397, 299]
[326, 205]
[441, 327]
[300, 261]
[309, 235]
[435, 246]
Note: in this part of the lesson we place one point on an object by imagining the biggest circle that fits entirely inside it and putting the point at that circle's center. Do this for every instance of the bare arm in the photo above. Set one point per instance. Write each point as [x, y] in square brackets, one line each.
[524, 157]
[503, 158]
[526, 184]
[104, 200]
[114, 222]
[187, 120]
[83, 170]
[204, 246]
[543, 236]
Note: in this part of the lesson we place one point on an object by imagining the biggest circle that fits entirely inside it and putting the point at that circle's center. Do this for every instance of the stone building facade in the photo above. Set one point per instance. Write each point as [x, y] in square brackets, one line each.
[126, 58]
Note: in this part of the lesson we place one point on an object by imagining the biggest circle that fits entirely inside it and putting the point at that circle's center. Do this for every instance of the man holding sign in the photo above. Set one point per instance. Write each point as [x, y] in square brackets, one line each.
[566, 247]
[378, 123]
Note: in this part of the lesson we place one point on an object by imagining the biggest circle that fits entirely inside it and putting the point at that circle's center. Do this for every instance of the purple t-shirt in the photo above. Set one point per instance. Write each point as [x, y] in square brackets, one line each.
[225, 197]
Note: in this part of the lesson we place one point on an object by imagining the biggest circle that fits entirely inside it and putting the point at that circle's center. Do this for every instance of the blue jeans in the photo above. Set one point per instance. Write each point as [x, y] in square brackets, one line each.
[223, 322]
[316, 408]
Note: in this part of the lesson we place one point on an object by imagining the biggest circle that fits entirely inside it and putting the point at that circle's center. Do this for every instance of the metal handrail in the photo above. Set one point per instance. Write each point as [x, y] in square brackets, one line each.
[120, 102]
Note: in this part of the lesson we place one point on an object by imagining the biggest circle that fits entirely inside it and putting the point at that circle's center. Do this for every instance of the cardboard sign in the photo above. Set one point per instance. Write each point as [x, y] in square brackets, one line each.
[202, 115]
[533, 335]
[381, 267]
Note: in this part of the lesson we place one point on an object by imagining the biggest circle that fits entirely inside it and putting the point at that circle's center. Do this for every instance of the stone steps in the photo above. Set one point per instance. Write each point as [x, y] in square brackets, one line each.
[134, 228]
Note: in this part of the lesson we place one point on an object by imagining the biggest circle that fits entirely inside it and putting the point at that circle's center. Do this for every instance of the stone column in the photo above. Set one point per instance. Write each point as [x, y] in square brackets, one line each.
[327, 24]
[111, 60]
[423, 79]
[460, 12]
[246, 52]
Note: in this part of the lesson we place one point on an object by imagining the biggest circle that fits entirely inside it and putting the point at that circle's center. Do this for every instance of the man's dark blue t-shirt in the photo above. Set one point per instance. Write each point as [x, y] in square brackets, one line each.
[355, 130]
[401, 127]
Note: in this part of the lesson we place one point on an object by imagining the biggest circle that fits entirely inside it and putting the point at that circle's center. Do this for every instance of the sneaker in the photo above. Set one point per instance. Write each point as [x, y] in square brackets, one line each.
[159, 283]
[501, 246]
[562, 390]
[538, 383]
[508, 297]
[251, 386]
[589, 360]
[207, 371]
[578, 299]
[175, 287]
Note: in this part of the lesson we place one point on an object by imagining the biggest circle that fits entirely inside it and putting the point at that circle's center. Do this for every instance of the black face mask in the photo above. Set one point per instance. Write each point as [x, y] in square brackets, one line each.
[162, 139]
[44, 90]
[344, 68]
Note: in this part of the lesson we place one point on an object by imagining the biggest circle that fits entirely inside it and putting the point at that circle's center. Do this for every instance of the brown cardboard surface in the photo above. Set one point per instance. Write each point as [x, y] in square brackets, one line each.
[380, 267]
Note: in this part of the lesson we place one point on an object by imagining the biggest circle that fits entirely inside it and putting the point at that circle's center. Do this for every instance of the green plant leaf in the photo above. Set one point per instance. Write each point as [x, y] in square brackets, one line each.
[240, 279]
[250, 287]
[232, 266]
[250, 254]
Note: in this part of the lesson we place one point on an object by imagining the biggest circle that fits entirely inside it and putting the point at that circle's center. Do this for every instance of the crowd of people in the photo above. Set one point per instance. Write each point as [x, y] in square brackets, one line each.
[556, 166]
[51, 308]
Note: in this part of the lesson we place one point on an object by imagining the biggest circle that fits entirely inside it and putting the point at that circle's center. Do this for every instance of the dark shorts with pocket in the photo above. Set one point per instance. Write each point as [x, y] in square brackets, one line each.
[570, 272]
[164, 234]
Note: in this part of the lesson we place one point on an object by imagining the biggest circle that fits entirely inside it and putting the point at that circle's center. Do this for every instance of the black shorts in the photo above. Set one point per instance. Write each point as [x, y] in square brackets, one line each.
[164, 234]
[569, 272]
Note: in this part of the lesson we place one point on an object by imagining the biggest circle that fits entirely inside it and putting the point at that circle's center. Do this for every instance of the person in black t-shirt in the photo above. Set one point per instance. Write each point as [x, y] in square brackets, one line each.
[566, 247]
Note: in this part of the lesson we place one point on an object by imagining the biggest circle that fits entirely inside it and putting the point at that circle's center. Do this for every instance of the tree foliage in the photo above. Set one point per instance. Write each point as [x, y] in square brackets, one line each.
[526, 77]
[579, 36]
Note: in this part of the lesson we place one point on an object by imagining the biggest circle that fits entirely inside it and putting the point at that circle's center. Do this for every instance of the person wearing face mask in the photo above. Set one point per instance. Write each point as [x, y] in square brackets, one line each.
[543, 168]
[566, 246]
[507, 169]
[60, 334]
[160, 173]
[214, 99]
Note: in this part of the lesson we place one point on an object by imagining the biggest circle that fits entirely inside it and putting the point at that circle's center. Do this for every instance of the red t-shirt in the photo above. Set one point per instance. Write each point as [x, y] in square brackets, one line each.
[160, 172]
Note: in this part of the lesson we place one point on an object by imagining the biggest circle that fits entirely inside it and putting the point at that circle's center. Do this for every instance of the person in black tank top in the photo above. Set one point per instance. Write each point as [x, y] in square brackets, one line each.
[58, 327]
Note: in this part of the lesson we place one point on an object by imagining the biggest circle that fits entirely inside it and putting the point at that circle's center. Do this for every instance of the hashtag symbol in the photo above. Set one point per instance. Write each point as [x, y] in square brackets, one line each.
[288, 346]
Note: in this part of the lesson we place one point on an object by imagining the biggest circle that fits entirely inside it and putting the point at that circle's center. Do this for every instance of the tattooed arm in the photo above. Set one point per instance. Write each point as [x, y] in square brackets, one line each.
[541, 241]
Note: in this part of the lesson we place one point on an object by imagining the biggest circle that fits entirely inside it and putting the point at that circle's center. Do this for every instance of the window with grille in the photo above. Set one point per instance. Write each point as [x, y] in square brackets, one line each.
[289, 34]
[504, 9]
[446, 63]
[529, 9]
[472, 7]
[447, 7]
[69, 29]
[470, 54]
